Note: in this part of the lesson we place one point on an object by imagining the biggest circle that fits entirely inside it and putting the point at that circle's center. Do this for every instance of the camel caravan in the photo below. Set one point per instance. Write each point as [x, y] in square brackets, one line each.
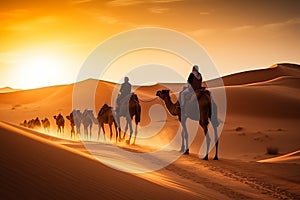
[195, 102]
[37, 123]
[106, 115]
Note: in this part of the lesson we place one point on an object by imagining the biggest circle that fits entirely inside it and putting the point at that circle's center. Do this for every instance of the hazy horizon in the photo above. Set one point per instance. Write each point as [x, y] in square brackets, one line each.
[134, 84]
[45, 43]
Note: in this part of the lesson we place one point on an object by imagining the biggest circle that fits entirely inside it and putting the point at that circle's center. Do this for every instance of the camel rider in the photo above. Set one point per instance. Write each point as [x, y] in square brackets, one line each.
[124, 90]
[194, 83]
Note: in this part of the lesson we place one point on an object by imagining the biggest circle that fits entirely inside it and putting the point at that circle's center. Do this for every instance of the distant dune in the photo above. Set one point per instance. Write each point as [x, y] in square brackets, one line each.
[261, 75]
[7, 90]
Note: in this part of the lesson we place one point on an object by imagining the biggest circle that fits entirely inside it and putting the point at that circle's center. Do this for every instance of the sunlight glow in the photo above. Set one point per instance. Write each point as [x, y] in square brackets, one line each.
[40, 69]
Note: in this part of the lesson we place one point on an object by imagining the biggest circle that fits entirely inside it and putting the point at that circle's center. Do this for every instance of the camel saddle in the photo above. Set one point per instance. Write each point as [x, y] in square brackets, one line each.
[122, 109]
[198, 93]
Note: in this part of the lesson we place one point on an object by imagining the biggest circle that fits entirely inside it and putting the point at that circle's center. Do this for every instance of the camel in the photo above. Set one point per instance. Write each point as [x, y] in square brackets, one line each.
[105, 116]
[33, 123]
[46, 124]
[75, 119]
[88, 119]
[129, 108]
[72, 124]
[60, 122]
[206, 108]
[25, 123]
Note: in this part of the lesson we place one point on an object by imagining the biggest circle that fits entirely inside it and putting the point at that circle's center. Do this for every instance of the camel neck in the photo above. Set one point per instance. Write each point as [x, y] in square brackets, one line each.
[172, 107]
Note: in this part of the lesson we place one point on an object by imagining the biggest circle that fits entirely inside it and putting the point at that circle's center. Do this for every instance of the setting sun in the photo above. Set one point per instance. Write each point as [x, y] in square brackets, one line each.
[40, 69]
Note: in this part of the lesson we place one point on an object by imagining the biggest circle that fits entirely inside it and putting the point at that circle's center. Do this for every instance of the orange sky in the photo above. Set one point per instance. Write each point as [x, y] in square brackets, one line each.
[45, 42]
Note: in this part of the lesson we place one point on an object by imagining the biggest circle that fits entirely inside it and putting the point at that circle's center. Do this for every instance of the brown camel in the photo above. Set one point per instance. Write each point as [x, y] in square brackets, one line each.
[129, 108]
[75, 119]
[33, 123]
[72, 124]
[88, 119]
[206, 111]
[46, 124]
[60, 122]
[105, 116]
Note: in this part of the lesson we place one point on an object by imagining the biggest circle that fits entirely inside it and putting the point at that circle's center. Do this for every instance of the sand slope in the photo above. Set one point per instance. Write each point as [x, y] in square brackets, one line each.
[35, 168]
[43, 167]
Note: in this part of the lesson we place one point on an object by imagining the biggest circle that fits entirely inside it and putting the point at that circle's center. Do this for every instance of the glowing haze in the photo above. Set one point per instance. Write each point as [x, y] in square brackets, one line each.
[45, 42]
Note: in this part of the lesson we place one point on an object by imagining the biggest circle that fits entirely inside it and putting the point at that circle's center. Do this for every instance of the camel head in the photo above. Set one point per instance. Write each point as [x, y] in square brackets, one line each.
[163, 94]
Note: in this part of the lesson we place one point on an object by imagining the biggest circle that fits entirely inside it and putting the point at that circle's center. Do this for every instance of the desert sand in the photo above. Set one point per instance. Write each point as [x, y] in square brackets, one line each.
[262, 113]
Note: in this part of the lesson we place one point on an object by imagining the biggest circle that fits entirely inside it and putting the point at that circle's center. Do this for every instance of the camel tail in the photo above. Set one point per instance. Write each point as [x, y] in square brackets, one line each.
[138, 114]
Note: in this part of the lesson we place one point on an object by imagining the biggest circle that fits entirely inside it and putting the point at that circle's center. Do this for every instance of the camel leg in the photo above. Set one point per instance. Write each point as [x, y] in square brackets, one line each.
[205, 129]
[215, 123]
[183, 133]
[102, 126]
[72, 132]
[99, 131]
[85, 133]
[91, 132]
[78, 130]
[129, 122]
[135, 133]
[119, 126]
[182, 141]
[110, 131]
[216, 143]
[185, 138]
[126, 128]
[118, 136]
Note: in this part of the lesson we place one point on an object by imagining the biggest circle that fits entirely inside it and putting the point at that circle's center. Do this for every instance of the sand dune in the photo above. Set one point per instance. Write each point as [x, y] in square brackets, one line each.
[46, 167]
[262, 110]
[7, 90]
[261, 75]
[293, 157]
[36, 168]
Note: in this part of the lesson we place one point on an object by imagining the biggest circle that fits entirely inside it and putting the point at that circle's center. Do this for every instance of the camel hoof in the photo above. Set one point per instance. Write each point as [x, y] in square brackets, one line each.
[205, 158]
[187, 152]
[127, 142]
[216, 158]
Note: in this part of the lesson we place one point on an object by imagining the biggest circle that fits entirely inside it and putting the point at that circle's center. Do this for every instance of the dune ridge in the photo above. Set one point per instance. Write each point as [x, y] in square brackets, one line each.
[261, 75]
[293, 157]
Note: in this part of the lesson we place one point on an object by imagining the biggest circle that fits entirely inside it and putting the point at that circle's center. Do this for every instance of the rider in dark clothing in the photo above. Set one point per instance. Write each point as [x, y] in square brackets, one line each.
[194, 83]
[124, 90]
[195, 78]
[125, 87]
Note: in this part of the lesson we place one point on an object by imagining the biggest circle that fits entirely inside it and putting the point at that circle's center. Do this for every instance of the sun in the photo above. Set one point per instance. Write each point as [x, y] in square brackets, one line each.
[40, 69]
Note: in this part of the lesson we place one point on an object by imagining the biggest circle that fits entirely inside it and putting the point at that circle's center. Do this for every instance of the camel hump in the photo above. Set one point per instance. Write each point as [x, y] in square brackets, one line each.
[104, 109]
[202, 91]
